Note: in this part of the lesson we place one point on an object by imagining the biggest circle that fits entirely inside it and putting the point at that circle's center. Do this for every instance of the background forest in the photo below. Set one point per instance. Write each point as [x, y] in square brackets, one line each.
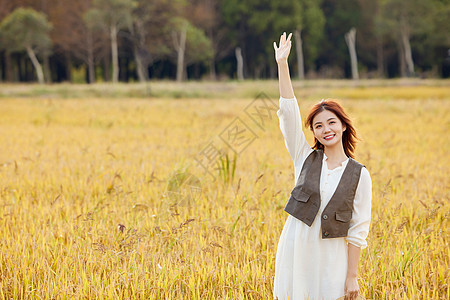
[137, 40]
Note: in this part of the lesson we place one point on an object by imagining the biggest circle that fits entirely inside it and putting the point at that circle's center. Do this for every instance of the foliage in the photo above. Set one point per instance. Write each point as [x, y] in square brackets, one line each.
[217, 27]
[414, 16]
[304, 15]
[146, 16]
[198, 45]
[23, 28]
[107, 13]
[341, 16]
[256, 22]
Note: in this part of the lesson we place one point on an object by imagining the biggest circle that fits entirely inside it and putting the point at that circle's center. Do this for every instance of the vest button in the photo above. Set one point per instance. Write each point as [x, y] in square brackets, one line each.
[325, 217]
[325, 233]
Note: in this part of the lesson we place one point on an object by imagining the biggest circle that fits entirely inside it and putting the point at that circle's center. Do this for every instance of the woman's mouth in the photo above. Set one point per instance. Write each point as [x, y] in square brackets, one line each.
[328, 137]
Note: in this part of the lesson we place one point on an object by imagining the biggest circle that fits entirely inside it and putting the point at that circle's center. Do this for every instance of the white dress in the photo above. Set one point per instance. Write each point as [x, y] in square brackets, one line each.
[307, 266]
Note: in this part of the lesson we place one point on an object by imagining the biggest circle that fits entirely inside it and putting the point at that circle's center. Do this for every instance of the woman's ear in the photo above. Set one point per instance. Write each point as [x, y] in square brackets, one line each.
[344, 127]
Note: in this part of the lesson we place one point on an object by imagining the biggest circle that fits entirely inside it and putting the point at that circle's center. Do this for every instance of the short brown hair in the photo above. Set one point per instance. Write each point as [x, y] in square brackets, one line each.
[348, 136]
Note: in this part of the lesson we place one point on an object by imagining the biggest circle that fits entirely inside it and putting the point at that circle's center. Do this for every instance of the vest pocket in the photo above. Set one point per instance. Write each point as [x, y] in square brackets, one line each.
[300, 195]
[344, 216]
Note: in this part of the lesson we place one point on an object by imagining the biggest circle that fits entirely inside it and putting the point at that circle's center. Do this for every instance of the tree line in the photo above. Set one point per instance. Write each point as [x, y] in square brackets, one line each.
[138, 40]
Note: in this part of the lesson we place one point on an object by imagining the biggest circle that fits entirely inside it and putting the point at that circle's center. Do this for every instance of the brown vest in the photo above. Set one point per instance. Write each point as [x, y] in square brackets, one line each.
[304, 202]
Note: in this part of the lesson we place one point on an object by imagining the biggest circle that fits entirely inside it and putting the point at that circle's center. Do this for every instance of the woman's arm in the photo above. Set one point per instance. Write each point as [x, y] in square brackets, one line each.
[353, 260]
[362, 211]
[358, 231]
[281, 56]
[351, 282]
[289, 112]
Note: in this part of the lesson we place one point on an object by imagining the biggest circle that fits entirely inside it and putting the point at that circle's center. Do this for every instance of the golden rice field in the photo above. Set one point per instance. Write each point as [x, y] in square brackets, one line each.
[96, 201]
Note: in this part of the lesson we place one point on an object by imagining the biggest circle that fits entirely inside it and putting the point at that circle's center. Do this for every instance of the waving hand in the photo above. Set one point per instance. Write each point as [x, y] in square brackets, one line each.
[282, 52]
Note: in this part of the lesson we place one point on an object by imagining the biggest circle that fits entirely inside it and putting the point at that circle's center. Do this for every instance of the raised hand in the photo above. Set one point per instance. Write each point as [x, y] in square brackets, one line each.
[282, 52]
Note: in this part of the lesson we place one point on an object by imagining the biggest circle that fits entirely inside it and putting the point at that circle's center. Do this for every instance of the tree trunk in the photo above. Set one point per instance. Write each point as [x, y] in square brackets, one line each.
[106, 69]
[138, 33]
[299, 50]
[401, 59]
[9, 72]
[28, 70]
[140, 66]
[114, 54]
[272, 71]
[408, 54]
[240, 64]
[90, 57]
[47, 72]
[91, 68]
[124, 66]
[350, 40]
[2, 68]
[68, 67]
[18, 76]
[380, 58]
[181, 47]
[36, 64]
[212, 68]
[258, 71]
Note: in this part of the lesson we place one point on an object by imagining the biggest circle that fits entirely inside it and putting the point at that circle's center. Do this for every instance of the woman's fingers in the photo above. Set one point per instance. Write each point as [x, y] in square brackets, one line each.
[289, 37]
[285, 44]
[287, 47]
[351, 295]
[284, 40]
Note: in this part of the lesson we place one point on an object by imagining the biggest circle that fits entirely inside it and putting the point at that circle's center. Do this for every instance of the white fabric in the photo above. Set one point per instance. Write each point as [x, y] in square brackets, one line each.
[307, 266]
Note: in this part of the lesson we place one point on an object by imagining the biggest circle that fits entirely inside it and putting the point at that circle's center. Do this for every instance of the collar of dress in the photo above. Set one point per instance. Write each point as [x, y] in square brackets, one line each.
[324, 161]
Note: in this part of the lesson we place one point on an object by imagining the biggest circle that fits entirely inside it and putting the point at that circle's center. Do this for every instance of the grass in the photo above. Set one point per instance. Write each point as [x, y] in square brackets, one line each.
[90, 189]
[386, 89]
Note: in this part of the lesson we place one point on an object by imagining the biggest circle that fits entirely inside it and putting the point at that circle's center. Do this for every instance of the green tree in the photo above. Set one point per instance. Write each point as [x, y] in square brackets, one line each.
[206, 15]
[149, 19]
[26, 29]
[190, 44]
[83, 44]
[304, 17]
[402, 20]
[112, 16]
[340, 17]
[255, 22]
[438, 38]
[236, 15]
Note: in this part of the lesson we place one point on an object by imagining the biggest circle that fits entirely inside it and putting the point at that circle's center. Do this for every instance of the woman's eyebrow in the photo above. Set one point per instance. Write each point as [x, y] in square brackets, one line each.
[318, 122]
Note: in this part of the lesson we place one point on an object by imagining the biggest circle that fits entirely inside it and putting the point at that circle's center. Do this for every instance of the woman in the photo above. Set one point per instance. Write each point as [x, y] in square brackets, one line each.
[330, 206]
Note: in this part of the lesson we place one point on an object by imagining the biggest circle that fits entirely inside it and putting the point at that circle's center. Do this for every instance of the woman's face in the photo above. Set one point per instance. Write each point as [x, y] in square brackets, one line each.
[328, 128]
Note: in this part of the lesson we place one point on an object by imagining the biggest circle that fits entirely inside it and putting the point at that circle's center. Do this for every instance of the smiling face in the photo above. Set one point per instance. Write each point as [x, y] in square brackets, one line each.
[328, 128]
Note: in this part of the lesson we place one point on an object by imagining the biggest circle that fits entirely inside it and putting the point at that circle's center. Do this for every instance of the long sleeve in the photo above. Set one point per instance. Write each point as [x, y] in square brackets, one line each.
[291, 128]
[362, 205]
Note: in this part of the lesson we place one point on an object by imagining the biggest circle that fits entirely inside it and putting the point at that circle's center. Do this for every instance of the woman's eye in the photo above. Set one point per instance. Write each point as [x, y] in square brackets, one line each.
[318, 126]
[332, 122]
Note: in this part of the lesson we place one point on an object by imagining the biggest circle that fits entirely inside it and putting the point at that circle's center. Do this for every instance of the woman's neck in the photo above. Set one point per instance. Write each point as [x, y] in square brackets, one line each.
[335, 155]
